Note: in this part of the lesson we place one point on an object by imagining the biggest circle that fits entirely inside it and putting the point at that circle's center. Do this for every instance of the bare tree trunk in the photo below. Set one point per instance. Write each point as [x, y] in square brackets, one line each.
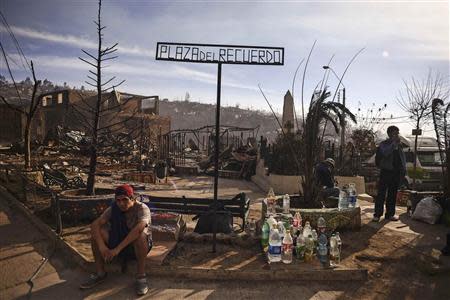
[90, 190]
[415, 155]
[27, 144]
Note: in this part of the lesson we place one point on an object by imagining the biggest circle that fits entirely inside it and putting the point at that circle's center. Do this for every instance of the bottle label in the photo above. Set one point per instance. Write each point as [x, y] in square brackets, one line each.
[274, 250]
[287, 247]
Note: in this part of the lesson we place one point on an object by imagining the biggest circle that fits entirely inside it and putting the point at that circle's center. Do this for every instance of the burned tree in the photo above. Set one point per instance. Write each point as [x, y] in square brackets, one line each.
[416, 100]
[29, 111]
[101, 115]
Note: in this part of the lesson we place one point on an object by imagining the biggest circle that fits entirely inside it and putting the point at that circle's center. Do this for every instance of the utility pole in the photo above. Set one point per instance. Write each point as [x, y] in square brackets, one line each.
[343, 130]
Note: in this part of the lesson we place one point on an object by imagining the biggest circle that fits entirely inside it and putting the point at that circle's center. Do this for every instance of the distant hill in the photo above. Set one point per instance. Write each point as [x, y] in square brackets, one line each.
[189, 114]
[184, 114]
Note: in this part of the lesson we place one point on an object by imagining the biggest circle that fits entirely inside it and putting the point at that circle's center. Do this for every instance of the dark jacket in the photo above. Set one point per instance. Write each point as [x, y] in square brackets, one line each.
[324, 176]
[387, 157]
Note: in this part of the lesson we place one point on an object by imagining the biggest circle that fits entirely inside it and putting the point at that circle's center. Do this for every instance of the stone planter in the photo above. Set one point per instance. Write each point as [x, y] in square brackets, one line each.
[75, 206]
[346, 219]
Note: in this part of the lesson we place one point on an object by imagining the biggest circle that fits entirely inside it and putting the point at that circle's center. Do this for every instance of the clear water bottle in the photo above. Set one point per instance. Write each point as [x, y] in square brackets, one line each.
[265, 232]
[286, 254]
[314, 237]
[281, 229]
[321, 225]
[286, 204]
[297, 221]
[352, 195]
[309, 249]
[322, 250]
[300, 247]
[339, 245]
[272, 222]
[334, 251]
[274, 253]
[307, 229]
[343, 199]
[271, 201]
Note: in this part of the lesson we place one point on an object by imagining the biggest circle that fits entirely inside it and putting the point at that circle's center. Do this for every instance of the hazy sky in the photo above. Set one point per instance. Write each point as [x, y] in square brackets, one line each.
[401, 39]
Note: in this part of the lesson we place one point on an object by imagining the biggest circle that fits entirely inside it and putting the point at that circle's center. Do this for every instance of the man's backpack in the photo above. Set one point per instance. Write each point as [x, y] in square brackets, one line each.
[224, 220]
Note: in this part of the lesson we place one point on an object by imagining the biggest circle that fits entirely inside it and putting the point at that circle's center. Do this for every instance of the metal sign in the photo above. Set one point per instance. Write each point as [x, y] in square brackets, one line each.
[223, 54]
[219, 54]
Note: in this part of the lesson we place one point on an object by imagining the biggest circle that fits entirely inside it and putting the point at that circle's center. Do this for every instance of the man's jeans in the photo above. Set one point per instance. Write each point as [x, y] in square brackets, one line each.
[389, 181]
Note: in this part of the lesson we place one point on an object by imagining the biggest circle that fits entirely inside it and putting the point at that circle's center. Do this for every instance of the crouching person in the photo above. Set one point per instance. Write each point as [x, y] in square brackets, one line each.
[123, 230]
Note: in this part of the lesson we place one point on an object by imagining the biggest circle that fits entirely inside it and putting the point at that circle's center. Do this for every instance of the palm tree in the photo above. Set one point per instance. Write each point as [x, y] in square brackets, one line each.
[320, 111]
[440, 111]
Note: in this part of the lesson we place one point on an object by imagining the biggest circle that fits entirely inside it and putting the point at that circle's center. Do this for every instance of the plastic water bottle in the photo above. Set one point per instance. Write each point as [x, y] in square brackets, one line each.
[300, 247]
[297, 220]
[271, 201]
[307, 229]
[343, 199]
[281, 229]
[296, 224]
[334, 251]
[286, 254]
[352, 195]
[265, 232]
[309, 248]
[322, 250]
[339, 245]
[286, 204]
[272, 223]
[274, 253]
[321, 225]
[314, 237]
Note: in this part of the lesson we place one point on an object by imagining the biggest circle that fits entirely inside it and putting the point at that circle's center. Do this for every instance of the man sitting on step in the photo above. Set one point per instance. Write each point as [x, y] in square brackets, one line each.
[123, 230]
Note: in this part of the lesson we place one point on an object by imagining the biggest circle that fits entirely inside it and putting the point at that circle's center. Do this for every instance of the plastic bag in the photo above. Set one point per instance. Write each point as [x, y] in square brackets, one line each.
[428, 210]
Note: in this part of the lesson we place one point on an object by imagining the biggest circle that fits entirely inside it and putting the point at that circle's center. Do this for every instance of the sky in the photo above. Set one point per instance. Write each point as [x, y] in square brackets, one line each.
[401, 40]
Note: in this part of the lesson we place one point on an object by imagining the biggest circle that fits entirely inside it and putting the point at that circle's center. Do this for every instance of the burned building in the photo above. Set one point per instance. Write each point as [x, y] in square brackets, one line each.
[13, 122]
[73, 110]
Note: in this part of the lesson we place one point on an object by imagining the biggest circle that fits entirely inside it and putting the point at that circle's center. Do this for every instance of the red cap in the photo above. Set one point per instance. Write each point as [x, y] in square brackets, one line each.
[124, 190]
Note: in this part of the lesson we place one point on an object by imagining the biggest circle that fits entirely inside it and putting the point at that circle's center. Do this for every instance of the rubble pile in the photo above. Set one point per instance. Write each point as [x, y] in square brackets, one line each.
[242, 160]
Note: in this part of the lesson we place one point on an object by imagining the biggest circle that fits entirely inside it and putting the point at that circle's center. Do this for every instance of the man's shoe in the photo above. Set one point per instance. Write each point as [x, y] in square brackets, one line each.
[141, 286]
[393, 218]
[94, 279]
[376, 219]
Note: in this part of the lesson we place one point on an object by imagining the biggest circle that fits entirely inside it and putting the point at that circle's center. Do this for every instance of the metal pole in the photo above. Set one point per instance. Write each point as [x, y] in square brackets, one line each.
[343, 130]
[217, 152]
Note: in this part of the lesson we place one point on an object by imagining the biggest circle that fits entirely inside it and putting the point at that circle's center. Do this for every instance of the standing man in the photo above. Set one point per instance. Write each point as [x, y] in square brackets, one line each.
[123, 230]
[392, 163]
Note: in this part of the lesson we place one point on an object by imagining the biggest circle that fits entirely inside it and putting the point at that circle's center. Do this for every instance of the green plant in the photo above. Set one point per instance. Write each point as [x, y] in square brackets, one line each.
[320, 111]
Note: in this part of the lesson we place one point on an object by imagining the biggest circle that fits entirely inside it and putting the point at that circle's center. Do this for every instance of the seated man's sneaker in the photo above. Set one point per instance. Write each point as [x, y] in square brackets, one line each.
[94, 279]
[141, 285]
[376, 219]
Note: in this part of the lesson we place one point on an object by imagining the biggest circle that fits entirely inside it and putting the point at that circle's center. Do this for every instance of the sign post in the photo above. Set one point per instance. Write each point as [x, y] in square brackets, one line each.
[219, 54]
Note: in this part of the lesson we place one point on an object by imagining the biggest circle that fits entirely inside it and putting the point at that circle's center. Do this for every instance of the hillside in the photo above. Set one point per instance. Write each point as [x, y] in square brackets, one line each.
[184, 114]
[188, 114]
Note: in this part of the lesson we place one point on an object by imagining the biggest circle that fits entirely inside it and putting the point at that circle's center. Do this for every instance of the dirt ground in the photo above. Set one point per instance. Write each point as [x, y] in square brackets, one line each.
[402, 258]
